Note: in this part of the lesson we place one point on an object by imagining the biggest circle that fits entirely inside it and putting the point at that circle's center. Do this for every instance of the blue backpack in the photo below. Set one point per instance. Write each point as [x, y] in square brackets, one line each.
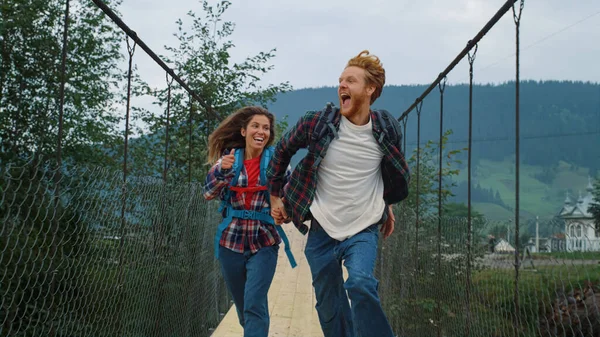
[265, 215]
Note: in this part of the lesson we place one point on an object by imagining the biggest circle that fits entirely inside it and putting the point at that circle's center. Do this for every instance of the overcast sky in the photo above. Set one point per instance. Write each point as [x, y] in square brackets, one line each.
[415, 39]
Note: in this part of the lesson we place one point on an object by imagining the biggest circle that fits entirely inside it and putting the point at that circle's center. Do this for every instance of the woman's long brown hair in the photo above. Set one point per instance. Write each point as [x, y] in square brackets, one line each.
[228, 134]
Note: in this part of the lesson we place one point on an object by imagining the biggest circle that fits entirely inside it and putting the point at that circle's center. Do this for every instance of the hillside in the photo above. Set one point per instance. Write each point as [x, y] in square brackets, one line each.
[541, 198]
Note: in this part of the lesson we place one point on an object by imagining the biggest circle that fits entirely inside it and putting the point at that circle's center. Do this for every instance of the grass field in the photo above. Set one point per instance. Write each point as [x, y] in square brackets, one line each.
[493, 211]
[536, 197]
[538, 292]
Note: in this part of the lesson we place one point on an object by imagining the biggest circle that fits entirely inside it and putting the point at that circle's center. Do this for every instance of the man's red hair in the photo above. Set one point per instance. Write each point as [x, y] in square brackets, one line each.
[374, 72]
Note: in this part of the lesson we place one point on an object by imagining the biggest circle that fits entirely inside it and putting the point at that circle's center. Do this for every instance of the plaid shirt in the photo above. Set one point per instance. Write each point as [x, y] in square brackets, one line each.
[257, 234]
[300, 191]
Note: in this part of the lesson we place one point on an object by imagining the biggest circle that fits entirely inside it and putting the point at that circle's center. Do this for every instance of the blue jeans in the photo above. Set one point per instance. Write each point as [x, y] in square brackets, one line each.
[364, 317]
[248, 277]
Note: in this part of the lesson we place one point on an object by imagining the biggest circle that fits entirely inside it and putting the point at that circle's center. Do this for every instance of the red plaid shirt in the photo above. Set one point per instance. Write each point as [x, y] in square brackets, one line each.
[300, 191]
[257, 233]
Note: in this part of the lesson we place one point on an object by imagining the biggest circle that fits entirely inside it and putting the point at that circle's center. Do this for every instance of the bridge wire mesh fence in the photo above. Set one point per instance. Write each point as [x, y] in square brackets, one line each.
[153, 274]
[445, 275]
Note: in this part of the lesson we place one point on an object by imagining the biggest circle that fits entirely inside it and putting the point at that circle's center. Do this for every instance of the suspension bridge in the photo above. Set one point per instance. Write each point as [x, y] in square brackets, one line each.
[86, 250]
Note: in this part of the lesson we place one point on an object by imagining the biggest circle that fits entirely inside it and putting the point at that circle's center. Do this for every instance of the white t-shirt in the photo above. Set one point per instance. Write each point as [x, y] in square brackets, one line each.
[349, 195]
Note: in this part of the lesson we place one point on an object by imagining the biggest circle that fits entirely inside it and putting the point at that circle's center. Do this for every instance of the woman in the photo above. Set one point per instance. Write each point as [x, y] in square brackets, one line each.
[247, 241]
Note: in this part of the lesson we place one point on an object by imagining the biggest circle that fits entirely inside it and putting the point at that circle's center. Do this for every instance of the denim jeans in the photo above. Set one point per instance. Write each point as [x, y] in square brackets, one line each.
[248, 277]
[364, 316]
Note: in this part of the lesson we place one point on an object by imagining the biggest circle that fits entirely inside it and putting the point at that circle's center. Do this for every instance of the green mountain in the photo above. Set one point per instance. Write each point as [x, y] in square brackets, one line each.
[559, 137]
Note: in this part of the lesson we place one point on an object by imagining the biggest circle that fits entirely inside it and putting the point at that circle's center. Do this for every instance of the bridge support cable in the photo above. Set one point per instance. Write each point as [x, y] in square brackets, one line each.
[58, 175]
[61, 93]
[159, 235]
[167, 121]
[468, 286]
[418, 196]
[499, 14]
[124, 196]
[517, 20]
[133, 35]
[190, 138]
[441, 87]
[419, 107]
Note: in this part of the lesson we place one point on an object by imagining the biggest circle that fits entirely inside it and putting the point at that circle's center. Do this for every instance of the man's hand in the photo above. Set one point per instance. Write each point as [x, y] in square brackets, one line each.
[278, 210]
[388, 226]
[227, 161]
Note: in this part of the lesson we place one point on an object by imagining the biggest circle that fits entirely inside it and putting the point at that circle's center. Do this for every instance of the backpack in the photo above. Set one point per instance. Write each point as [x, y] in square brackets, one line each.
[390, 126]
[229, 213]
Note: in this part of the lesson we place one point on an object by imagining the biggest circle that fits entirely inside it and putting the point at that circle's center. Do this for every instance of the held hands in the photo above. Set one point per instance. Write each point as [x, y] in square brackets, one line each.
[278, 210]
[388, 226]
[227, 160]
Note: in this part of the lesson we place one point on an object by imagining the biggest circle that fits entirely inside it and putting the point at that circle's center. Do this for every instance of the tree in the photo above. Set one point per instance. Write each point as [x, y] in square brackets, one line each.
[280, 128]
[461, 210]
[428, 176]
[455, 225]
[30, 73]
[203, 60]
[45, 249]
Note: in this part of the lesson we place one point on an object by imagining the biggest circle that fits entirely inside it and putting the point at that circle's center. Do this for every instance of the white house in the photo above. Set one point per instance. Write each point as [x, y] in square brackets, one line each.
[580, 231]
[502, 246]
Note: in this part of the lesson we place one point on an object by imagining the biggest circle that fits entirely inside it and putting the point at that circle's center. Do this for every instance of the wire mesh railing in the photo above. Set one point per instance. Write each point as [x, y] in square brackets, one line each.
[87, 249]
[469, 291]
[449, 275]
[74, 266]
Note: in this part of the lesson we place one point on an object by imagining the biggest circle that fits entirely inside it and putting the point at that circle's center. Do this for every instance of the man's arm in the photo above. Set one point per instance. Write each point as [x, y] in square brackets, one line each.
[279, 170]
[293, 140]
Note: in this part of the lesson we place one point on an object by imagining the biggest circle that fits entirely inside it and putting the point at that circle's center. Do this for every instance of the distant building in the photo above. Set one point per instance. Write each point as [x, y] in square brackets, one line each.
[580, 231]
[502, 247]
[558, 243]
[545, 245]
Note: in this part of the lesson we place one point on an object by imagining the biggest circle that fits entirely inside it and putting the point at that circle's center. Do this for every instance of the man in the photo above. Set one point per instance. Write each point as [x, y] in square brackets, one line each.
[345, 185]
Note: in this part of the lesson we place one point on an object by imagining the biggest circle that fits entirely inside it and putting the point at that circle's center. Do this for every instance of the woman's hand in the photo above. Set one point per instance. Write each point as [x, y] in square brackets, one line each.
[227, 160]
[388, 226]
[278, 210]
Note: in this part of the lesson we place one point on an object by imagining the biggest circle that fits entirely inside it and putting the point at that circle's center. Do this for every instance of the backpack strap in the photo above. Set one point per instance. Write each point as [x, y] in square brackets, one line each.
[265, 215]
[264, 164]
[390, 126]
[266, 157]
[324, 122]
[225, 207]
[238, 163]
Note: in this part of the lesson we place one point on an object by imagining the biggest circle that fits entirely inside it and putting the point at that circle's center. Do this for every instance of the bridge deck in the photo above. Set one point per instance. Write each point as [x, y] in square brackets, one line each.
[291, 297]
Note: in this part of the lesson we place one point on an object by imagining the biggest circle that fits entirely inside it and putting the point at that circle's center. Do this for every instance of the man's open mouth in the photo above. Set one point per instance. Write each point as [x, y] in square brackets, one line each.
[345, 98]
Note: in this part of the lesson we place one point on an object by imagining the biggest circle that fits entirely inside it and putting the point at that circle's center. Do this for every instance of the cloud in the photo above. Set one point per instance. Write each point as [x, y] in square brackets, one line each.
[415, 39]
